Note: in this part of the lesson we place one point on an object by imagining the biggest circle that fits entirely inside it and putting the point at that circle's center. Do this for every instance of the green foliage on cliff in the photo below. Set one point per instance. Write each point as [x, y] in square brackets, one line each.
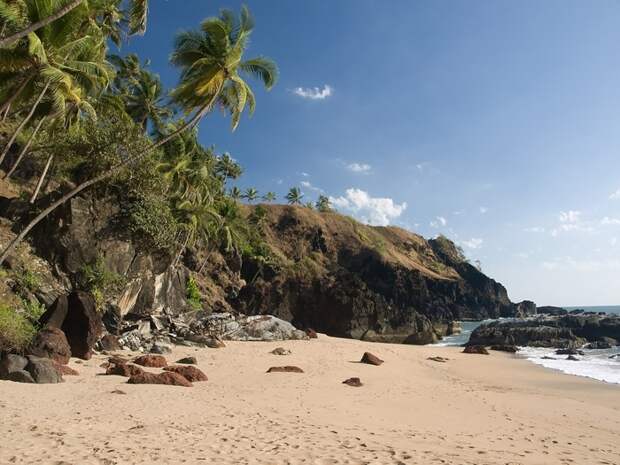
[192, 294]
[99, 280]
[16, 330]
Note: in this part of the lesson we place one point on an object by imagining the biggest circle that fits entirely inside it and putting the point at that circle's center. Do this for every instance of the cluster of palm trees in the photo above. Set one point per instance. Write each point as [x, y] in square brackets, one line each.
[56, 72]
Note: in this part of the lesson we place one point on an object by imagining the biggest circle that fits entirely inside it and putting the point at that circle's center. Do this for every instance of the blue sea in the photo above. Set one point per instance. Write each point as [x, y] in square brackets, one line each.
[596, 364]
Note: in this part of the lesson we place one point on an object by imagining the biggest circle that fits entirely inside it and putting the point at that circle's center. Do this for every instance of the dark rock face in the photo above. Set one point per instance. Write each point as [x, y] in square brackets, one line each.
[43, 371]
[166, 378]
[525, 309]
[285, 369]
[55, 315]
[354, 382]
[51, 343]
[505, 348]
[481, 350]
[569, 331]
[82, 325]
[192, 374]
[553, 311]
[153, 361]
[371, 359]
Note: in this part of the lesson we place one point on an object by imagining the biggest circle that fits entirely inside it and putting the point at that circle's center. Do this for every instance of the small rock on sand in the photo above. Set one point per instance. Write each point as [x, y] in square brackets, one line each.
[355, 382]
[476, 350]
[188, 361]
[281, 351]
[371, 359]
[438, 359]
[152, 361]
[285, 369]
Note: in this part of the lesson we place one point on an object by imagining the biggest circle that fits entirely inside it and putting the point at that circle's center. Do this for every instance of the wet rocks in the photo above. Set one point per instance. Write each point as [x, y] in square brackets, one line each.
[505, 348]
[188, 361]
[167, 378]
[280, 351]
[371, 359]
[285, 369]
[477, 349]
[572, 358]
[354, 382]
[570, 351]
[191, 373]
[153, 361]
[51, 343]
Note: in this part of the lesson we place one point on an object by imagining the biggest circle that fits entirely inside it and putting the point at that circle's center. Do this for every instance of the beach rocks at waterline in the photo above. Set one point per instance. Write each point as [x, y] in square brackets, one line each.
[567, 331]
[476, 350]
[167, 378]
[285, 369]
[371, 359]
[570, 351]
[191, 373]
[353, 382]
[505, 348]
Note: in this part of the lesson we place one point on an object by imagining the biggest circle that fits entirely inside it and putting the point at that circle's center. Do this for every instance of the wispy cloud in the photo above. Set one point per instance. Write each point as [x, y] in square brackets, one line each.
[363, 168]
[473, 243]
[314, 93]
[379, 211]
[438, 222]
[308, 185]
[483, 210]
[608, 220]
[571, 221]
[615, 195]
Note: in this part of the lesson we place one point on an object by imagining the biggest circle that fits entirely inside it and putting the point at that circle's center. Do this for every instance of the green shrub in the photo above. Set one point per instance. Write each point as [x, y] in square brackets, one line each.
[33, 309]
[16, 330]
[100, 281]
[192, 293]
[27, 280]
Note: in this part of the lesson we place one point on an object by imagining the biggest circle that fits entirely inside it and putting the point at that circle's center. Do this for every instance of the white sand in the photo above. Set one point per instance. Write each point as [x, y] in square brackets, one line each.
[474, 409]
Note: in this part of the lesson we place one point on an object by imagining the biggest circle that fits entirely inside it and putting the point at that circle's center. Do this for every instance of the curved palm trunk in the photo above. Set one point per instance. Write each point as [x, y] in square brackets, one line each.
[111, 172]
[42, 178]
[23, 123]
[178, 257]
[39, 24]
[7, 105]
[6, 112]
[25, 149]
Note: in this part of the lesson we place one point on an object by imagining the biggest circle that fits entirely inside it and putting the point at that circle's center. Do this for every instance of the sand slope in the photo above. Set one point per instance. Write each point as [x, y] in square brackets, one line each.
[474, 409]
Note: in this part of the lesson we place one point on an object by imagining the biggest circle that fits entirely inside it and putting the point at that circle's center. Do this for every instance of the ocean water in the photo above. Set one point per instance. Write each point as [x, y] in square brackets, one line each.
[597, 364]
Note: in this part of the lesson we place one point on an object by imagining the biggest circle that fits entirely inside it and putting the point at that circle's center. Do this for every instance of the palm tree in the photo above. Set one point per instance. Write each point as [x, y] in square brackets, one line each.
[145, 102]
[52, 11]
[323, 204]
[269, 197]
[210, 61]
[227, 168]
[235, 193]
[294, 196]
[250, 194]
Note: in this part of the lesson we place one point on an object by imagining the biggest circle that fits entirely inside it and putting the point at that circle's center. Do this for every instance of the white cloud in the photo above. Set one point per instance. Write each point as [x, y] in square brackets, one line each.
[473, 243]
[615, 195]
[571, 221]
[308, 185]
[304, 174]
[314, 93]
[438, 222]
[359, 167]
[377, 211]
[571, 216]
[483, 210]
[607, 220]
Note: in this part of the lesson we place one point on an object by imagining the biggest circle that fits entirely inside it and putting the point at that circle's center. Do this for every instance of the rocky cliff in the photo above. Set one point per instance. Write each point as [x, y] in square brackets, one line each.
[320, 270]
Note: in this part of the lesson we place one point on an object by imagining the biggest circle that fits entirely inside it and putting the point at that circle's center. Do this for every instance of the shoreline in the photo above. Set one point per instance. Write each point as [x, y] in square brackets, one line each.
[473, 409]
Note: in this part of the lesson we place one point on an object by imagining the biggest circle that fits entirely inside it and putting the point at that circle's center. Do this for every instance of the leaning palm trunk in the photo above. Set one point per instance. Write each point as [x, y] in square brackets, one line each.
[23, 123]
[39, 24]
[7, 105]
[183, 247]
[26, 147]
[111, 172]
[6, 112]
[42, 178]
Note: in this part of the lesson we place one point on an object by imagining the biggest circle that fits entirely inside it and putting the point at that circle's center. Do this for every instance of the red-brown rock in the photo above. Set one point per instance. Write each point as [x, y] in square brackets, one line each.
[51, 343]
[167, 378]
[355, 382]
[109, 342]
[285, 369]
[191, 373]
[371, 359]
[151, 360]
[311, 333]
[124, 369]
[476, 350]
[65, 370]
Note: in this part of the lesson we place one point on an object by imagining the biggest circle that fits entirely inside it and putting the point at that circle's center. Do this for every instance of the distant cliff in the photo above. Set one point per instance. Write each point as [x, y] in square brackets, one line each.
[320, 270]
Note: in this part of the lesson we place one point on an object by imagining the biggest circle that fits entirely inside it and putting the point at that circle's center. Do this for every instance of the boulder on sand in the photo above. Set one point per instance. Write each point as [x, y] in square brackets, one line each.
[192, 374]
[355, 382]
[20, 376]
[11, 363]
[166, 378]
[188, 361]
[285, 369]
[280, 351]
[42, 370]
[109, 342]
[371, 359]
[51, 343]
[476, 350]
[151, 360]
[124, 369]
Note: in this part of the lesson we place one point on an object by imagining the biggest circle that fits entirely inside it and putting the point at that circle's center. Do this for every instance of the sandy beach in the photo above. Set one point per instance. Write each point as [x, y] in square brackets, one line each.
[474, 409]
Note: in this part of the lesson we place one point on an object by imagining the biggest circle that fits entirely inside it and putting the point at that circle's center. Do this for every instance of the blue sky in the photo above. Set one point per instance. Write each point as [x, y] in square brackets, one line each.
[496, 123]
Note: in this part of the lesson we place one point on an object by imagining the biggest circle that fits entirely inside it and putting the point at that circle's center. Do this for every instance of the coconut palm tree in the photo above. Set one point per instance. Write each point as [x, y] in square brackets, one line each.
[227, 168]
[235, 193]
[250, 194]
[269, 197]
[211, 61]
[294, 196]
[145, 102]
[53, 10]
[323, 204]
